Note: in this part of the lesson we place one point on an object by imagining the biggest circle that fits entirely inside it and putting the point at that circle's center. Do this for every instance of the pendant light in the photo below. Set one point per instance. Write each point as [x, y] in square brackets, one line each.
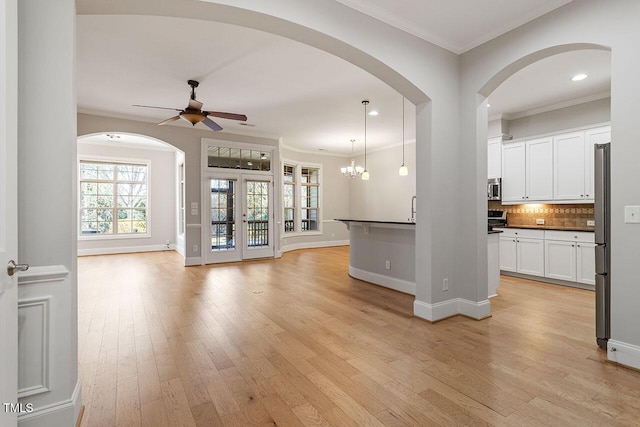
[404, 170]
[365, 173]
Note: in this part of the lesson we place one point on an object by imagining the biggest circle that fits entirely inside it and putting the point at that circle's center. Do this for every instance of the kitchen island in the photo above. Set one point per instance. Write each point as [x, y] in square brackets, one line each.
[383, 253]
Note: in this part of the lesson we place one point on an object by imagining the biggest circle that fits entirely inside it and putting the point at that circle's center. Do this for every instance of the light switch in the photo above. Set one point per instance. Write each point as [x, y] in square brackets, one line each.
[632, 214]
[194, 205]
[194, 211]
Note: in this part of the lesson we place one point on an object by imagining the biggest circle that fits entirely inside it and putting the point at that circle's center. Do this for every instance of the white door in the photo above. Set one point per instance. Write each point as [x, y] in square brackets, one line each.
[560, 260]
[569, 166]
[513, 172]
[539, 170]
[239, 217]
[530, 256]
[257, 216]
[8, 210]
[223, 235]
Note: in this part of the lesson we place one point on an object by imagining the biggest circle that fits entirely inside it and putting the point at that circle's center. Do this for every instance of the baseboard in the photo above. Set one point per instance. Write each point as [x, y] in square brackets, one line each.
[549, 280]
[313, 245]
[475, 310]
[64, 413]
[623, 353]
[126, 250]
[180, 250]
[189, 261]
[382, 280]
[442, 310]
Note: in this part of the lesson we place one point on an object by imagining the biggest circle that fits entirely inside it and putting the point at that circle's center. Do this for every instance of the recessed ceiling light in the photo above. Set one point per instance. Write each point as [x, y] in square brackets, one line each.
[373, 113]
[488, 105]
[578, 77]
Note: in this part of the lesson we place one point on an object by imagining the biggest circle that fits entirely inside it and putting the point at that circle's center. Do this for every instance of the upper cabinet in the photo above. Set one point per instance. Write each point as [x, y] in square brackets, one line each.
[494, 158]
[555, 169]
[527, 171]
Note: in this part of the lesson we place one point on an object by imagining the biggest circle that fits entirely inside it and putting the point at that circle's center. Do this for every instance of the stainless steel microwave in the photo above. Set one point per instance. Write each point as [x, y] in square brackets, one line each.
[494, 189]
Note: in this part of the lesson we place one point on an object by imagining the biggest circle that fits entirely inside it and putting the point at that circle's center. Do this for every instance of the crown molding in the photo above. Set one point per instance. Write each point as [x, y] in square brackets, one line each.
[551, 107]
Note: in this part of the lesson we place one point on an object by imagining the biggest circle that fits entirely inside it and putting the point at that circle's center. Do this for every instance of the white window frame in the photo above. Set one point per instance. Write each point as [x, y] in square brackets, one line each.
[297, 227]
[114, 160]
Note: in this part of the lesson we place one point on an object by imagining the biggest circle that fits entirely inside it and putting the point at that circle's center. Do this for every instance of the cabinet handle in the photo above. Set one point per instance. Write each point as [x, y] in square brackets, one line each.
[586, 195]
[514, 240]
[572, 246]
[578, 245]
[523, 197]
[581, 195]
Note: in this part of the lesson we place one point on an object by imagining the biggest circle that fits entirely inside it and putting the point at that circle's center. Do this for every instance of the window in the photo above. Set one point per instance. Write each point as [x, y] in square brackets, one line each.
[289, 194]
[113, 198]
[309, 189]
[301, 198]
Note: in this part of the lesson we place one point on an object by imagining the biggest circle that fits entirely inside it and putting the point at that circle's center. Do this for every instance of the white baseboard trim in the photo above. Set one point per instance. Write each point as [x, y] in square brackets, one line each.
[382, 280]
[64, 413]
[623, 353]
[452, 307]
[126, 250]
[313, 245]
[195, 260]
[180, 250]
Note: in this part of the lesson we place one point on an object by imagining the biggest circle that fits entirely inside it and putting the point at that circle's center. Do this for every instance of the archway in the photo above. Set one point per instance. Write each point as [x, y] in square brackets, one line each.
[545, 145]
[131, 194]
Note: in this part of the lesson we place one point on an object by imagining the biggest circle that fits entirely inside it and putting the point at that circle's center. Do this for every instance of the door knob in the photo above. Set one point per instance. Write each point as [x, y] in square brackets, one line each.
[12, 267]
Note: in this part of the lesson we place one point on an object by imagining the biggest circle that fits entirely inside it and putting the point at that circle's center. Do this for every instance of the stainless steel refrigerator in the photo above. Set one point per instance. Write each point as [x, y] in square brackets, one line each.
[602, 213]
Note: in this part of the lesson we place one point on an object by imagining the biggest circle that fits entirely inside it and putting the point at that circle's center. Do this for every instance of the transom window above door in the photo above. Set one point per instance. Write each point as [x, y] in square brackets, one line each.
[238, 158]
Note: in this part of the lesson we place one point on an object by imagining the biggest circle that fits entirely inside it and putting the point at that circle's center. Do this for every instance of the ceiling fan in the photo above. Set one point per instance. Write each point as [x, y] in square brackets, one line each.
[194, 114]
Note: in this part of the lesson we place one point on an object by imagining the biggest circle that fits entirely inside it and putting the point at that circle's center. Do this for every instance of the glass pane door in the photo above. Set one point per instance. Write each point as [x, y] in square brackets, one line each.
[223, 233]
[257, 218]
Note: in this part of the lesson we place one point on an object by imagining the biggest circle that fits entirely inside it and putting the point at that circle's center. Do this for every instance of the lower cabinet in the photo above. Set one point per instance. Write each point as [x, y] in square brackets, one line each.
[561, 255]
[522, 251]
[570, 256]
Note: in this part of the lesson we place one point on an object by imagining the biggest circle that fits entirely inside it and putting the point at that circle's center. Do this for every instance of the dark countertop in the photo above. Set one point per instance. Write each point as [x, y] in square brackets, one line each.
[375, 222]
[550, 227]
[494, 231]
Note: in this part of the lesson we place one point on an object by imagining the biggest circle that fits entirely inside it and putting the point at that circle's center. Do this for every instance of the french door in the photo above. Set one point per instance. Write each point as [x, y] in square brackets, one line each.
[239, 217]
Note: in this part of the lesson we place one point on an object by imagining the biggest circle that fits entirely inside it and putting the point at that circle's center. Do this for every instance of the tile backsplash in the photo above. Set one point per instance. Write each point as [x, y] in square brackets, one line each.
[575, 215]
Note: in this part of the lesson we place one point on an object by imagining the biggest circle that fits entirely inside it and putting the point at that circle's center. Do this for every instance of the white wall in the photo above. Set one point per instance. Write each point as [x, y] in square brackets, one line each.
[589, 113]
[162, 200]
[578, 24]
[334, 200]
[386, 195]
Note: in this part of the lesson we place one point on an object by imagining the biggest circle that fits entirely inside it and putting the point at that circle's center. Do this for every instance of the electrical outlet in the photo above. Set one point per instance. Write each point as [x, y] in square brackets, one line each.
[591, 223]
[167, 242]
[195, 248]
[445, 284]
[540, 221]
[387, 265]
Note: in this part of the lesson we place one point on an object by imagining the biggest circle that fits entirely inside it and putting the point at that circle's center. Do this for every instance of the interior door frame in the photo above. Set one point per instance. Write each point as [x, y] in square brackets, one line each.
[8, 207]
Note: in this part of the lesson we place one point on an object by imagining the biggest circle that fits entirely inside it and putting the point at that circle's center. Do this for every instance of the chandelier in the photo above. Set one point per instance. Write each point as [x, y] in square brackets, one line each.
[352, 171]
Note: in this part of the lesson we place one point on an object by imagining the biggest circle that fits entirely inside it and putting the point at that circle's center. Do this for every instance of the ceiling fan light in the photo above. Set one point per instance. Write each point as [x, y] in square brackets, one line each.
[193, 118]
[365, 176]
[403, 171]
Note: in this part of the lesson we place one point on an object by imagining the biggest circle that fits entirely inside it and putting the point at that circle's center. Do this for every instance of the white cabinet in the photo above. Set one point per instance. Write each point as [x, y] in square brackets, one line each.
[494, 158]
[570, 256]
[522, 251]
[574, 165]
[527, 171]
[556, 169]
[599, 135]
[569, 166]
[586, 263]
[539, 169]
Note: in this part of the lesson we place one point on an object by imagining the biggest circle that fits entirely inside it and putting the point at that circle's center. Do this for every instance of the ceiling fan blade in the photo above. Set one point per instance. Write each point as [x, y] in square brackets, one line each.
[230, 116]
[162, 108]
[194, 104]
[172, 119]
[213, 125]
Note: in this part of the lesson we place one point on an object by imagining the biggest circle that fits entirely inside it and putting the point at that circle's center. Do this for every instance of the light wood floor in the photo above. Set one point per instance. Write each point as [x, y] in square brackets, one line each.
[296, 341]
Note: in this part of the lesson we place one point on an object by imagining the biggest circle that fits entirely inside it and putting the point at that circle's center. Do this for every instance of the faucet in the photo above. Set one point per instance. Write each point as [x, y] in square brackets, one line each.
[413, 209]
